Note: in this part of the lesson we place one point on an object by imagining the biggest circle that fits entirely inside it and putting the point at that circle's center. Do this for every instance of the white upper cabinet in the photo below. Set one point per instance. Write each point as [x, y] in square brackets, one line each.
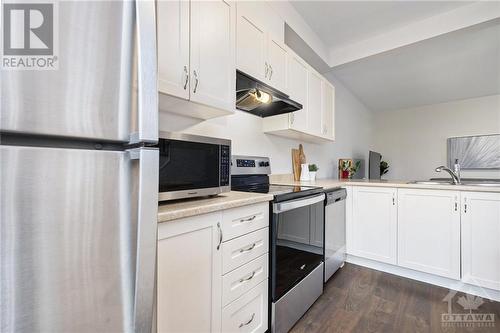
[261, 51]
[173, 47]
[315, 121]
[277, 65]
[197, 57]
[314, 101]
[297, 87]
[213, 25]
[373, 227]
[480, 239]
[429, 231]
[328, 110]
[251, 41]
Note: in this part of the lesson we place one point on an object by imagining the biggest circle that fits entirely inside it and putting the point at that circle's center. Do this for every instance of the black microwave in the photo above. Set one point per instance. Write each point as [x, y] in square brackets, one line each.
[193, 166]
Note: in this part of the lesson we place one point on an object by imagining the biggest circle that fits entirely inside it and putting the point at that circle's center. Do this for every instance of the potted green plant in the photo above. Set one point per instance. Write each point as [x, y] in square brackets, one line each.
[354, 168]
[313, 169]
[384, 168]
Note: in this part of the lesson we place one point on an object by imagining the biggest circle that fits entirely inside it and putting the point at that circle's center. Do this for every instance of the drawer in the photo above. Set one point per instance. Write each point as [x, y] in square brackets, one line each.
[241, 250]
[248, 313]
[244, 278]
[242, 220]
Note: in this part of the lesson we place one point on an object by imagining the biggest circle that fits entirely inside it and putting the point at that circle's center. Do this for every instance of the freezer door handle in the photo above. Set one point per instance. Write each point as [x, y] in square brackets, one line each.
[147, 97]
[147, 210]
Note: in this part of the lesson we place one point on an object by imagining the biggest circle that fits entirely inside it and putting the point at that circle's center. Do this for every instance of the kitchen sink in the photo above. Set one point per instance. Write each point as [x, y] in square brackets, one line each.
[465, 183]
[476, 183]
[430, 182]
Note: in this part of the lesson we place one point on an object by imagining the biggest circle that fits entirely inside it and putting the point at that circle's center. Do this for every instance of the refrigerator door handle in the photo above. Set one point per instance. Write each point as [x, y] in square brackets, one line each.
[147, 98]
[147, 210]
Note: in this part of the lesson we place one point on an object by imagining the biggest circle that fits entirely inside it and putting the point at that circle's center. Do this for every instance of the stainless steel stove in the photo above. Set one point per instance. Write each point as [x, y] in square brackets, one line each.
[296, 240]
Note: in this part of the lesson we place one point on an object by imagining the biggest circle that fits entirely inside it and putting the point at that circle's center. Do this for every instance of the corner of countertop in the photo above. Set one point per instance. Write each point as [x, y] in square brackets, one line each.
[178, 209]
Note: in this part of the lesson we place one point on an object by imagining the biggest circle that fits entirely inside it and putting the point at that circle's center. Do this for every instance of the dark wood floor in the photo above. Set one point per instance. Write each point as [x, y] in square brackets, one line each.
[358, 299]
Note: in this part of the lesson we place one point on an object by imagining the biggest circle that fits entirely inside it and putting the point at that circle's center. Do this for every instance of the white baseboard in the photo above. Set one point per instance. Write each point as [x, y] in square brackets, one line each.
[425, 277]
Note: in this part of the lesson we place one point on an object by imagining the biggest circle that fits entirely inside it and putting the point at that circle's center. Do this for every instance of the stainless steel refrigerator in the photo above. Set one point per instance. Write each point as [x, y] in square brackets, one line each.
[79, 183]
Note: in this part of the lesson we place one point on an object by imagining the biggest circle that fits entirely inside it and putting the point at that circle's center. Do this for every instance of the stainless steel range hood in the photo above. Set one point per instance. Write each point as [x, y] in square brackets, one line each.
[260, 99]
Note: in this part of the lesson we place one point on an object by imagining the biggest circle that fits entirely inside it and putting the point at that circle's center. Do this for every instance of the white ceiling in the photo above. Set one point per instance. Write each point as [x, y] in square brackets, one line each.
[339, 23]
[458, 65]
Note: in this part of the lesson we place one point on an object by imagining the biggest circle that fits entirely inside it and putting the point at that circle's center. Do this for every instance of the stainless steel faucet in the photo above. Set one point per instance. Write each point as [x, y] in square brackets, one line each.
[455, 174]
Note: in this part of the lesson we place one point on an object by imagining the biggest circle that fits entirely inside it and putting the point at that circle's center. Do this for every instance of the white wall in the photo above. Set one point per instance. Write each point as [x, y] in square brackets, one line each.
[413, 141]
[353, 133]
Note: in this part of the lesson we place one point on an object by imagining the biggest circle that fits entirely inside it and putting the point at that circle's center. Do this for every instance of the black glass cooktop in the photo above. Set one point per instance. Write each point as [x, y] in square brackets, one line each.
[280, 192]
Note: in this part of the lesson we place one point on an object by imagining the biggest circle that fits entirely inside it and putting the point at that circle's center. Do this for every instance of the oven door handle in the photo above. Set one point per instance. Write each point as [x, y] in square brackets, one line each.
[289, 205]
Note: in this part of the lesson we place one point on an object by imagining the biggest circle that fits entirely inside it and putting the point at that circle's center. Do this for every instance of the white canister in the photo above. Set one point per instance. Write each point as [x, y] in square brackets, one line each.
[312, 175]
[304, 171]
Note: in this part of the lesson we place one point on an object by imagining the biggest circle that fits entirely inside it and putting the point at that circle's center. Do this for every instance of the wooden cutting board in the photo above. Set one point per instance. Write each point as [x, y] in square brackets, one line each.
[296, 163]
[302, 155]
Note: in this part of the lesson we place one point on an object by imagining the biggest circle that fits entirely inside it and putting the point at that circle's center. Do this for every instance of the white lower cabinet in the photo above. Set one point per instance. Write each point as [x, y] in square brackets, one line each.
[446, 233]
[429, 231]
[373, 229]
[189, 281]
[244, 278]
[481, 239]
[248, 313]
[207, 282]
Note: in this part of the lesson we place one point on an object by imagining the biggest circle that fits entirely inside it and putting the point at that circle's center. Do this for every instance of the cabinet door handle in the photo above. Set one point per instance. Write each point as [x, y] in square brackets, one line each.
[292, 118]
[271, 72]
[248, 219]
[195, 81]
[267, 70]
[220, 235]
[248, 248]
[186, 74]
[393, 200]
[248, 322]
[248, 278]
[456, 206]
[465, 208]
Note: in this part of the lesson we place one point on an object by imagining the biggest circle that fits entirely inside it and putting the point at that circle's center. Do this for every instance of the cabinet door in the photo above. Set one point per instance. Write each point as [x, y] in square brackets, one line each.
[277, 65]
[328, 110]
[480, 239]
[251, 41]
[314, 101]
[429, 231]
[189, 285]
[173, 47]
[297, 88]
[374, 224]
[213, 25]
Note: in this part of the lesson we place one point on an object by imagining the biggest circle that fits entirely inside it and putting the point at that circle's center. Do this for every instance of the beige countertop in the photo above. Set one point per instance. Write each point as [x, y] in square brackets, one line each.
[336, 183]
[190, 207]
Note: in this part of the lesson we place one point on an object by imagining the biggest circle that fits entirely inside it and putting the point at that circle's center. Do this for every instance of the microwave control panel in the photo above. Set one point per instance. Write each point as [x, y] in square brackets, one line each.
[225, 165]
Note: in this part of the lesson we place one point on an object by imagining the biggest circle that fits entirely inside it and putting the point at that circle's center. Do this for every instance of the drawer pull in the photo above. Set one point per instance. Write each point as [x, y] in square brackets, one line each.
[248, 322]
[248, 248]
[248, 219]
[248, 278]
[220, 235]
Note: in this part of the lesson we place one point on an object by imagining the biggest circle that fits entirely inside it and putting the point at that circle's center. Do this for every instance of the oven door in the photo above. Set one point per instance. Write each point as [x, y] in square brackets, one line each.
[188, 169]
[297, 242]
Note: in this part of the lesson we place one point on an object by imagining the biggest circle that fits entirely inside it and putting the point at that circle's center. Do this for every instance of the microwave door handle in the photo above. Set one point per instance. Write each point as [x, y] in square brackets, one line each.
[147, 91]
[146, 160]
[289, 205]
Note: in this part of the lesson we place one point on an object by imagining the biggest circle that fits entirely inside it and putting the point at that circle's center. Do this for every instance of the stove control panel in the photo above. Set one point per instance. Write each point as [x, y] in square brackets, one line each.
[250, 165]
[242, 163]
